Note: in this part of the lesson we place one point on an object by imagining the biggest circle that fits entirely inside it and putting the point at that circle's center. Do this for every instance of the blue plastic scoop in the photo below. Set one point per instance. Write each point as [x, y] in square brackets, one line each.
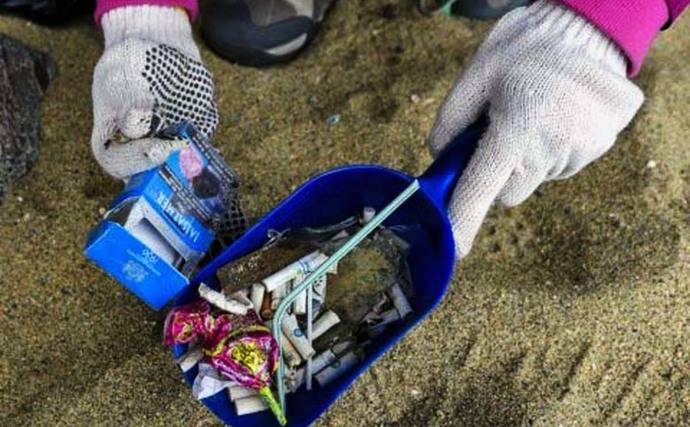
[326, 199]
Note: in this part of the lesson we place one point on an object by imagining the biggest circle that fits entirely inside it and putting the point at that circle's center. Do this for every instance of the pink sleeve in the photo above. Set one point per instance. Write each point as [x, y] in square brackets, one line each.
[103, 6]
[632, 24]
[677, 7]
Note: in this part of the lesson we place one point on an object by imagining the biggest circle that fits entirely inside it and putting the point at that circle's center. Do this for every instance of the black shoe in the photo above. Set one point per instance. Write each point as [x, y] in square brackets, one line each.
[480, 9]
[261, 32]
[48, 11]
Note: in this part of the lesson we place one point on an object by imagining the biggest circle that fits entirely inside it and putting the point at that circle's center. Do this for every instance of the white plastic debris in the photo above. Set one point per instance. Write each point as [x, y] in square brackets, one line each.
[209, 382]
[333, 120]
[188, 360]
[250, 405]
[237, 392]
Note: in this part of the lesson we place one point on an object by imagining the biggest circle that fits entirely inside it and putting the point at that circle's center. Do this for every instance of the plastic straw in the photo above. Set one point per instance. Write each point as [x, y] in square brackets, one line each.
[309, 334]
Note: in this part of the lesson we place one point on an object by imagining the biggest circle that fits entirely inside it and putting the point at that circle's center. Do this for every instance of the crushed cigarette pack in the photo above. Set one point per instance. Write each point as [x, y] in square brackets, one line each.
[160, 226]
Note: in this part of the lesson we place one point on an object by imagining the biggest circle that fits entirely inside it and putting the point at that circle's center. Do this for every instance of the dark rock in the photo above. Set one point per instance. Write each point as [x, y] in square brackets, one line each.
[24, 76]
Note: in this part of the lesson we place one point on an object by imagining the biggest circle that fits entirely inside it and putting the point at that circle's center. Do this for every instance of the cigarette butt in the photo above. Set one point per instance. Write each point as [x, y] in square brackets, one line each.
[320, 285]
[275, 302]
[341, 235]
[257, 297]
[374, 314]
[381, 303]
[241, 294]
[337, 368]
[300, 304]
[296, 381]
[250, 405]
[237, 392]
[333, 269]
[281, 278]
[402, 244]
[290, 353]
[313, 262]
[224, 302]
[278, 294]
[325, 322]
[324, 359]
[319, 294]
[386, 318]
[188, 360]
[296, 336]
[375, 323]
[267, 307]
[389, 316]
[288, 274]
[281, 291]
[368, 213]
[400, 300]
[320, 362]
[291, 380]
[340, 347]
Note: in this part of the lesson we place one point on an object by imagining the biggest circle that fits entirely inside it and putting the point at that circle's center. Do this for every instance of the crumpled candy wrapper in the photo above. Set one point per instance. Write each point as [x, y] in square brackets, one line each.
[185, 323]
[240, 348]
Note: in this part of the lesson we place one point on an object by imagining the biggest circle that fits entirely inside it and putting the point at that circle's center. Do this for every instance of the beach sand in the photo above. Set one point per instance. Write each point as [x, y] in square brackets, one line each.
[572, 309]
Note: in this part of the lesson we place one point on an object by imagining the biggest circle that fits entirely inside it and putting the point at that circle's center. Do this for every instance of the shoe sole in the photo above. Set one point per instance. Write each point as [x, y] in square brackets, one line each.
[255, 57]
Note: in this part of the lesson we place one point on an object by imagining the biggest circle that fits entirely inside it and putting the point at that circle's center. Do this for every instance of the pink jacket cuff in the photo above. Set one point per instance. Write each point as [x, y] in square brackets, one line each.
[632, 24]
[676, 7]
[103, 6]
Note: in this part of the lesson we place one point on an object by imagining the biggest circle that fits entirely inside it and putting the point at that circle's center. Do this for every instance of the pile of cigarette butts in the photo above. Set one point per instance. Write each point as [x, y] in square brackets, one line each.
[318, 343]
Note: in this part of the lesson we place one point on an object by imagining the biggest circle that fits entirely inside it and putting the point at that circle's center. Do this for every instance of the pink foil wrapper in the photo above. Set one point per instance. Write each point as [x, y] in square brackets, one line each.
[241, 348]
[190, 162]
[183, 324]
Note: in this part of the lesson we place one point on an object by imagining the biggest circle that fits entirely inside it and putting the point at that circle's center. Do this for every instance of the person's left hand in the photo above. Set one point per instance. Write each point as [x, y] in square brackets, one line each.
[150, 76]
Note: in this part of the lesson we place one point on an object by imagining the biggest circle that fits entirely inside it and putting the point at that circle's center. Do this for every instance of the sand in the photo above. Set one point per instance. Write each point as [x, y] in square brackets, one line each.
[571, 309]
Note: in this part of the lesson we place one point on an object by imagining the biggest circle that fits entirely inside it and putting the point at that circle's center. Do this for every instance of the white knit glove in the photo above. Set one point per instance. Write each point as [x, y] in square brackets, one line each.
[149, 76]
[557, 95]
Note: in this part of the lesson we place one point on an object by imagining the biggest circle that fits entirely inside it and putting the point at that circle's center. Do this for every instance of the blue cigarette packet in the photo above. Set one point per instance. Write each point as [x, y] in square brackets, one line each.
[160, 226]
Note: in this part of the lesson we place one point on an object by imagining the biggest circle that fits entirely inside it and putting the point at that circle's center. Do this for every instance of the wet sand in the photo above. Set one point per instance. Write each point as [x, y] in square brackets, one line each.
[572, 309]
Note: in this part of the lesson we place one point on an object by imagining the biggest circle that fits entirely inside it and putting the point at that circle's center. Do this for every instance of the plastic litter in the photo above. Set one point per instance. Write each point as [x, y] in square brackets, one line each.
[417, 214]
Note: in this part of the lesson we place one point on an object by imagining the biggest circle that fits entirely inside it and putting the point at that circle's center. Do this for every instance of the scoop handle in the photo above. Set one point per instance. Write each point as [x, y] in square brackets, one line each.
[439, 180]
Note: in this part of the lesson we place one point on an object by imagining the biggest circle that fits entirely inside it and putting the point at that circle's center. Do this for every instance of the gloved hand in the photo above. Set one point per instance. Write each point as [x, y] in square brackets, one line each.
[557, 96]
[149, 76]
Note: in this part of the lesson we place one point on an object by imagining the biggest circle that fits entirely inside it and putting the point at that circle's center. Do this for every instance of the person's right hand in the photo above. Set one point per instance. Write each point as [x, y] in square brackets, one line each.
[150, 76]
[557, 95]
